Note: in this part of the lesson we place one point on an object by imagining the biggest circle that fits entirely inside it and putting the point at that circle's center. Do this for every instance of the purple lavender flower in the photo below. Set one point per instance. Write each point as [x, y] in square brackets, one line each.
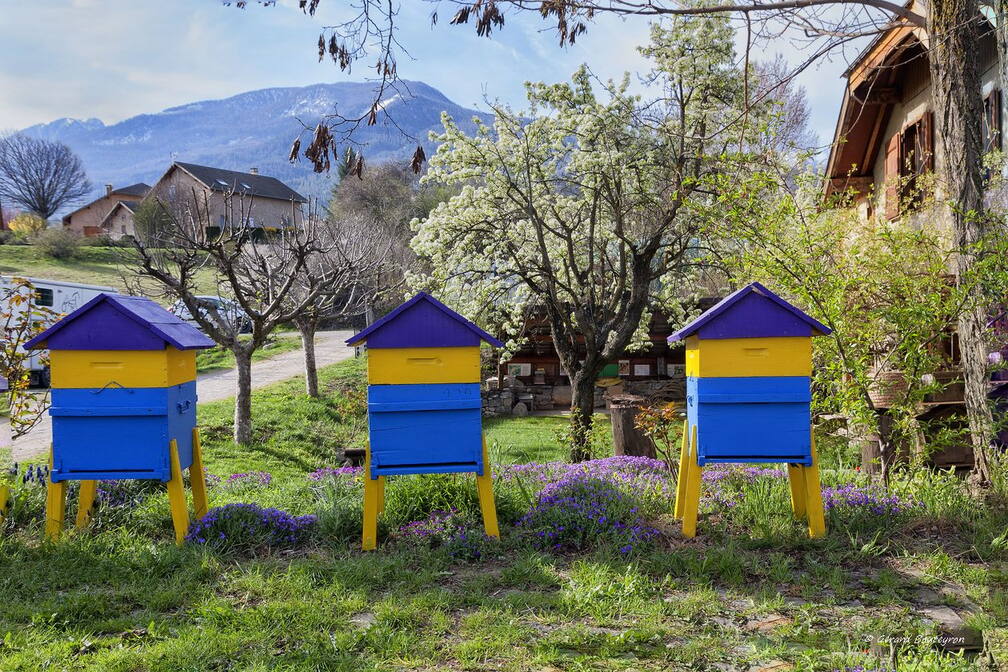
[334, 472]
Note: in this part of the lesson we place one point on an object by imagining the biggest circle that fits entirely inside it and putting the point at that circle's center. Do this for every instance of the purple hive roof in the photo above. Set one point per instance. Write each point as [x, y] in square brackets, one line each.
[122, 323]
[751, 312]
[422, 322]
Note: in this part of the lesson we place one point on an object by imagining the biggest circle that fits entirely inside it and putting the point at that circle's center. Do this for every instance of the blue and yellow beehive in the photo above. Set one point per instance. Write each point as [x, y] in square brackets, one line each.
[123, 403]
[748, 396]
[424, 404]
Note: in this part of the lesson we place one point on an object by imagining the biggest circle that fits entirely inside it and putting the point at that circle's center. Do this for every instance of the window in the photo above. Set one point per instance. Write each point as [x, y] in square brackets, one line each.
[44, 297]
[991, 130]
[909, 156]
[223, 183]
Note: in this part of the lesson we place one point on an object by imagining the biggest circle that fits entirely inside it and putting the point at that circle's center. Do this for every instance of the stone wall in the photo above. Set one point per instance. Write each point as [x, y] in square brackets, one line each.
[505, 400]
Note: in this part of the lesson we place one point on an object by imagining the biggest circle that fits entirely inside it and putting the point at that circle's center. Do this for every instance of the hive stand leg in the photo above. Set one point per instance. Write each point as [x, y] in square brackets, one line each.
[381, 495]
[4, 496]
[372, 495]
[691, 501]
[813, 497]
[796, 477]
[176, 496]
[85, 501]
[55, 505]
[197, 477]
[484, 486]
[683, 471]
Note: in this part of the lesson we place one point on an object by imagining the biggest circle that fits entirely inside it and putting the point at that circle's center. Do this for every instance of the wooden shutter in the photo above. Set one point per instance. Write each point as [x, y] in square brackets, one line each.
[992, 121]
[892, 177]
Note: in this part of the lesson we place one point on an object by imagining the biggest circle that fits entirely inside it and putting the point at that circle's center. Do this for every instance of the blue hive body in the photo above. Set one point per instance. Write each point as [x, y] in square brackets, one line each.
[761, 419]
[121, 432]
[123, 388]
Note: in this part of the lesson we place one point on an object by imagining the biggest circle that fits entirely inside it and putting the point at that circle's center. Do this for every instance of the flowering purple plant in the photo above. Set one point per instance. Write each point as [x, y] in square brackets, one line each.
[450, 530]
[866, 498]
[256, 479]
[249, 527]
[582, 509]
[333, 472]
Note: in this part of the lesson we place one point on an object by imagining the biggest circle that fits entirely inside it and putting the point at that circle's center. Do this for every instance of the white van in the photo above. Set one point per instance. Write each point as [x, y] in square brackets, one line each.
[61, 297]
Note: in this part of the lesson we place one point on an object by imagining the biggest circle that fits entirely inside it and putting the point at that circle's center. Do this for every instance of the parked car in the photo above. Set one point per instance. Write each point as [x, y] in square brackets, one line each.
[60, 297]
[228, 310]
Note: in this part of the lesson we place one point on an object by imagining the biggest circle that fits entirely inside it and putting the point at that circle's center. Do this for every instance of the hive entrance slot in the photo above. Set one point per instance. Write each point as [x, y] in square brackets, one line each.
[424, 360]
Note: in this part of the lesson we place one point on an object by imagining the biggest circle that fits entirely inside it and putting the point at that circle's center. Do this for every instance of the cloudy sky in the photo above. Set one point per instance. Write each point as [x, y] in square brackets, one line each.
[113, 59]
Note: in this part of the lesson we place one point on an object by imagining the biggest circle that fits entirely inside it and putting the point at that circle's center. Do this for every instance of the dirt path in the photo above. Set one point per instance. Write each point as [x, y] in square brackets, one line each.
[329, 349]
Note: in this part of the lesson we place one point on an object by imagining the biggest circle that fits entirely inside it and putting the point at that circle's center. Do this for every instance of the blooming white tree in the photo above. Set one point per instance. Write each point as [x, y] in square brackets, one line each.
[587, 206]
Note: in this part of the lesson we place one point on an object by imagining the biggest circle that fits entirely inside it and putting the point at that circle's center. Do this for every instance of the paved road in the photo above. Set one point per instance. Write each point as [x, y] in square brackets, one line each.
[329, 349]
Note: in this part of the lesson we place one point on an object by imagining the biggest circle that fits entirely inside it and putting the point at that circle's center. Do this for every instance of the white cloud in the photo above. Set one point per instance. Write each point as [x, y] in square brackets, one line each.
[117, 58]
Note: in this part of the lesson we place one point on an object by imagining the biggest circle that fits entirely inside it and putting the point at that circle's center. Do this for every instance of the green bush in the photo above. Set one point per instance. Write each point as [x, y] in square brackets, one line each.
[58, 243]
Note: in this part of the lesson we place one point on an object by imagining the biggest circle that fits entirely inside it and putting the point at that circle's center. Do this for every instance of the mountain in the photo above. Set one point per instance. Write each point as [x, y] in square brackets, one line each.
[254, 129]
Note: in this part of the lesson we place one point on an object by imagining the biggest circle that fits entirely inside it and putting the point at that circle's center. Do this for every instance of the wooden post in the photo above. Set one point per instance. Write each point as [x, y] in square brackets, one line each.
[484, 486]
[369, 535]
[176, 496]
[197, 477]
[627, 439]
[55, 504]
[691, 504]
[796, 478]
[684, 455]
[85, 501]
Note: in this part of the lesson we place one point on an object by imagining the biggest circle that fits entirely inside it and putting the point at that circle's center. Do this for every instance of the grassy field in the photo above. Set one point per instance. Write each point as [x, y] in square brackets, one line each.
[750, 592]
[91, 266]
[219, 358]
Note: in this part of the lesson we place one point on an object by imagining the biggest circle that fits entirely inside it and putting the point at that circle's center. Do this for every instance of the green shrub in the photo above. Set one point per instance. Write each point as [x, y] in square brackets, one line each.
[58, 243]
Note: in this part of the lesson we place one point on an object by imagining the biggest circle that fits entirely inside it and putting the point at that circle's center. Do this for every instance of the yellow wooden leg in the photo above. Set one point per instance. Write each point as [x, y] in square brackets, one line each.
[381, 495]
[177, 497]
[55, 509]
[85, 501]
[796, 477]
[484, 486]
[369, 539]
[691, 500]
[197, 477]
[683, 471]
[55, 504]
[813, 497]
[4, 496]
[372, 495]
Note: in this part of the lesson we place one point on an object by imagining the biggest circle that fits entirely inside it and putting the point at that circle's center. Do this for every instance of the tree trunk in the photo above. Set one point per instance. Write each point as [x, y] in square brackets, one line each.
[582, 410]
[953, 29]
[627, 438]
[1001, 17]
[307, 329]
[243, 396]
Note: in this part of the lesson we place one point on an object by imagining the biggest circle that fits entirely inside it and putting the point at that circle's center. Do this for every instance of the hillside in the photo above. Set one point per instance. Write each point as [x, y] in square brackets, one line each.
[253, 129]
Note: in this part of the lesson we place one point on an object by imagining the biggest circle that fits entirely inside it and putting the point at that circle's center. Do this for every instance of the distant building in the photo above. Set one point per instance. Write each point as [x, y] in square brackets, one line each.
[87, 220]
[230, 197]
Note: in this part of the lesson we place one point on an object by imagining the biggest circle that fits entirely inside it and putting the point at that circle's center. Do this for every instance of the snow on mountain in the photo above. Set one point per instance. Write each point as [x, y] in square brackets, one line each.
[254, 129]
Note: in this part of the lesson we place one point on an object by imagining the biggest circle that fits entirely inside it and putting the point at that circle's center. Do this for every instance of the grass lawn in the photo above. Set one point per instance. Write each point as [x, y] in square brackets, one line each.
[218, 358]
[91, 266]
[749, 592]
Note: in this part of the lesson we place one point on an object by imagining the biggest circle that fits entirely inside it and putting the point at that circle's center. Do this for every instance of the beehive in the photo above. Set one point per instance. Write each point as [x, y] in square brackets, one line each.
[123, 397]
[748, 394]
[424, 404]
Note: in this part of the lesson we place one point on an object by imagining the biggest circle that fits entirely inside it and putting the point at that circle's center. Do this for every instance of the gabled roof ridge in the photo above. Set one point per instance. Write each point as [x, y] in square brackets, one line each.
[724, 304]
[422, 296]
[116, 301]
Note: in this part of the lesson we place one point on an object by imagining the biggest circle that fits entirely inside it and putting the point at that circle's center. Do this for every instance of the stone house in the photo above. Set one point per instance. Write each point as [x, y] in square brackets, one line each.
[884, 143]
[229, 197]
[87, 220]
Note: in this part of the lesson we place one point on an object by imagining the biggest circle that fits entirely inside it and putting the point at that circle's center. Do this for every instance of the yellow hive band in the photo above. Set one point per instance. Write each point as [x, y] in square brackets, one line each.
[409, 366]
[128, 368]
[748, 357]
